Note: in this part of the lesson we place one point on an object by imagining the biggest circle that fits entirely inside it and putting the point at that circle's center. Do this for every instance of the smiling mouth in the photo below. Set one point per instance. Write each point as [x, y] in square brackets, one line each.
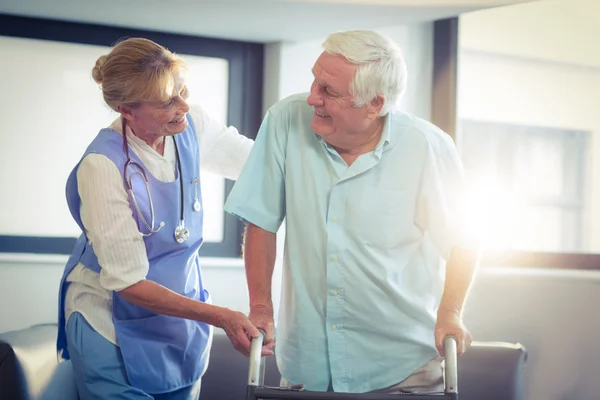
[321, 114]
[177, 121]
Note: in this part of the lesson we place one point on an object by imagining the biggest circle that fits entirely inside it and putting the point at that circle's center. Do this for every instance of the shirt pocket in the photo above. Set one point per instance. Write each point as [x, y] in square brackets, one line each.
[383, 217]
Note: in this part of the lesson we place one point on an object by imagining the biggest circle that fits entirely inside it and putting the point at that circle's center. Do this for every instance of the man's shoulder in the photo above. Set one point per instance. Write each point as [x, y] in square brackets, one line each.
[419, 129]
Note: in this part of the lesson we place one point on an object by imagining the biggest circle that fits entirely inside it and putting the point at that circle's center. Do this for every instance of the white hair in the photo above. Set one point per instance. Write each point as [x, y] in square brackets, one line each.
[380, 66]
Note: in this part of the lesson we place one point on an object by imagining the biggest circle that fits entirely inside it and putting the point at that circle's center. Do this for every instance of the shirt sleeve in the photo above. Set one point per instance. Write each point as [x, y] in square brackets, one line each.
[109, 225]
[441, 210]
[223, 150]
[258, 196]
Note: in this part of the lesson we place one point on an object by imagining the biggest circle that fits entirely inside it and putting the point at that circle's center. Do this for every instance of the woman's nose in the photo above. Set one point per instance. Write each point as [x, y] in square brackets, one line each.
[185, 107]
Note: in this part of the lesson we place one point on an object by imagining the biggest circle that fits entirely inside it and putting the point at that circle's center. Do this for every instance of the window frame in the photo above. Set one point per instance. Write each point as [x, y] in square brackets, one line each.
[444, 114]
[245, 85]
[575, 203]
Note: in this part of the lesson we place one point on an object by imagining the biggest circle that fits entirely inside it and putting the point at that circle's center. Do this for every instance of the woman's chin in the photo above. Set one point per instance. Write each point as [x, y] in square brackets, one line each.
[174, 129]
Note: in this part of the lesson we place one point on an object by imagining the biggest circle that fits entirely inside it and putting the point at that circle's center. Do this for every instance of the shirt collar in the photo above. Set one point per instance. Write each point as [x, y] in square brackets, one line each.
[385, 139]
[138, 144]
[383, 143]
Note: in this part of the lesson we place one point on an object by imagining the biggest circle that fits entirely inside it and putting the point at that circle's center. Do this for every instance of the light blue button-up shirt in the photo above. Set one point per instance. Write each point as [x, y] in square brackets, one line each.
[364, 248]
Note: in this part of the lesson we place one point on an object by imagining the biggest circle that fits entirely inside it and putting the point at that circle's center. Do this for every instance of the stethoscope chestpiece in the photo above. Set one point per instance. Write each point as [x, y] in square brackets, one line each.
[181, 233]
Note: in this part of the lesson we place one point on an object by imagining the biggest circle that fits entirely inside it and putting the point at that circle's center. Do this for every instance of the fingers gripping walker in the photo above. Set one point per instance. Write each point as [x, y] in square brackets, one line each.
[256, 374]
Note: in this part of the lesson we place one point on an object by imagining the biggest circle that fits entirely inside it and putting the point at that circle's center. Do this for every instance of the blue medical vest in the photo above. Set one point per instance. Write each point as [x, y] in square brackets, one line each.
[161, 353]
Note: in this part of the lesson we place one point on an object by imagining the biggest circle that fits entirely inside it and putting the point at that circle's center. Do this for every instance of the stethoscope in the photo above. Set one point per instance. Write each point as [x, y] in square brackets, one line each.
[181, 232]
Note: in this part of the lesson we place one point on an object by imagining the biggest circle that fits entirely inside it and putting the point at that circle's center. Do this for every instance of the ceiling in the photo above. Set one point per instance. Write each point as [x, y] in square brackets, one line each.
[249, 20]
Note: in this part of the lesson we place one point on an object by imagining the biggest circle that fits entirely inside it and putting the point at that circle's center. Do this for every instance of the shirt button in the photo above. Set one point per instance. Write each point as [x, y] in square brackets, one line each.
[334, 292]
[334, 257]
[335, 218]
[334, 327]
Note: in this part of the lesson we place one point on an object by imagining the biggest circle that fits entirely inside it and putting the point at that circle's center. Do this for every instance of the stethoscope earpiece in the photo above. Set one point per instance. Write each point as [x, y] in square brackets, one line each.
[196, 206]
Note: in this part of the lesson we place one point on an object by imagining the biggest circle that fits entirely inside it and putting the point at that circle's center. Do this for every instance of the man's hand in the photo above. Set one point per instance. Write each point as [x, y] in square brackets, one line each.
[451, 324]
[261, 316]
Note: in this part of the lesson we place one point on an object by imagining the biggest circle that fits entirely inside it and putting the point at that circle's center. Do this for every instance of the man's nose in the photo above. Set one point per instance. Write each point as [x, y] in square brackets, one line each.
[314, 98]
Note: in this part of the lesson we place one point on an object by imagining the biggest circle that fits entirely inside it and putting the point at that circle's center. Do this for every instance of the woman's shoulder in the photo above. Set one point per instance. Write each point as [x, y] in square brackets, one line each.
[98, 167]
[200, 115]
[96, 161]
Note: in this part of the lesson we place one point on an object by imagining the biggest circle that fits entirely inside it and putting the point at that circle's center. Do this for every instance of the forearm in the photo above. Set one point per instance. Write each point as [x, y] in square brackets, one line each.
[159, 299]
[460, 270]
[259, 256]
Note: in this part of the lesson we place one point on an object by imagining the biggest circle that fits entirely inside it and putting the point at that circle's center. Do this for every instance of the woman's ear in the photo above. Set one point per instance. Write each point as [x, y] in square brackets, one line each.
[126, 112]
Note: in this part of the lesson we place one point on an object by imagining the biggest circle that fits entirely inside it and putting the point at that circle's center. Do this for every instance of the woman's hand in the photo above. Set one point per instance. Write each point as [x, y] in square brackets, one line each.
[161, 300]
[239, 330]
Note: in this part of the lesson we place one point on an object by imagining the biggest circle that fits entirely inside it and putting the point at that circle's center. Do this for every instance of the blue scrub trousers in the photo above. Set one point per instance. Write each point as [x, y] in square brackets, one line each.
[99, 369]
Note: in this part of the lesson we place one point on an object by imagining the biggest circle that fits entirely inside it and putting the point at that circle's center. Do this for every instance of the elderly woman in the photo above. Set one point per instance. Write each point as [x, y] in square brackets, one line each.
[135, 318]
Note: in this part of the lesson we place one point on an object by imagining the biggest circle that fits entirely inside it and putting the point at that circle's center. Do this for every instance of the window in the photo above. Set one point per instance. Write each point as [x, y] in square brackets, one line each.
[526, 184]
[55, 108]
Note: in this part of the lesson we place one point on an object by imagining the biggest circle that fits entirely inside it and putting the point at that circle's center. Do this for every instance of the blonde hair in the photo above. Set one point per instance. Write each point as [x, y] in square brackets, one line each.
[137, 70]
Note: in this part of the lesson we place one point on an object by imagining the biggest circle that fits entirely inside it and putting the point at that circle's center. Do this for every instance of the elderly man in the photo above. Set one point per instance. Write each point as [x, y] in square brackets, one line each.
[376, 268]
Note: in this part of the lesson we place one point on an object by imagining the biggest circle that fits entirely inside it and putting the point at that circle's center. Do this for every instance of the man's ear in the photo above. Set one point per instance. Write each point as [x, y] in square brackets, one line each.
[375, 106]
[126, 112]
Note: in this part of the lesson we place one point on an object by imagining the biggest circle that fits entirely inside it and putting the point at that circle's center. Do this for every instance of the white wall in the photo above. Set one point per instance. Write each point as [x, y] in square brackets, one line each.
[29, 287]
[562, 31]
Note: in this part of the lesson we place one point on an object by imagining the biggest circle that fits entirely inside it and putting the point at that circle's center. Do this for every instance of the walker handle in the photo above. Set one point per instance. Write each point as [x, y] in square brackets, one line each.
[256, 372]
[451, 371]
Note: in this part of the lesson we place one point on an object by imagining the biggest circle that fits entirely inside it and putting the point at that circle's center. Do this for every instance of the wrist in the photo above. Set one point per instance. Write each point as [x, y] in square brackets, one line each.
[264, 307]
[268, 304]
[217, 316]
[449, 313]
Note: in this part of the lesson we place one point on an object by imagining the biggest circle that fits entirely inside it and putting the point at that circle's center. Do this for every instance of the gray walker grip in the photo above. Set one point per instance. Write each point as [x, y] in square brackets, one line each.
[256, 372]
[451, 370]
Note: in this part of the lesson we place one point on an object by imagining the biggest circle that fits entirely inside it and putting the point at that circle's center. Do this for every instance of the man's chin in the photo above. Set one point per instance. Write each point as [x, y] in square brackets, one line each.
[319, 131]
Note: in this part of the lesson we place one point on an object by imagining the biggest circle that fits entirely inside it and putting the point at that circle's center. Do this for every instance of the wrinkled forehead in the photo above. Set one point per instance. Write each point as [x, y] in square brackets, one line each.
[165, 86]
[334, 71]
